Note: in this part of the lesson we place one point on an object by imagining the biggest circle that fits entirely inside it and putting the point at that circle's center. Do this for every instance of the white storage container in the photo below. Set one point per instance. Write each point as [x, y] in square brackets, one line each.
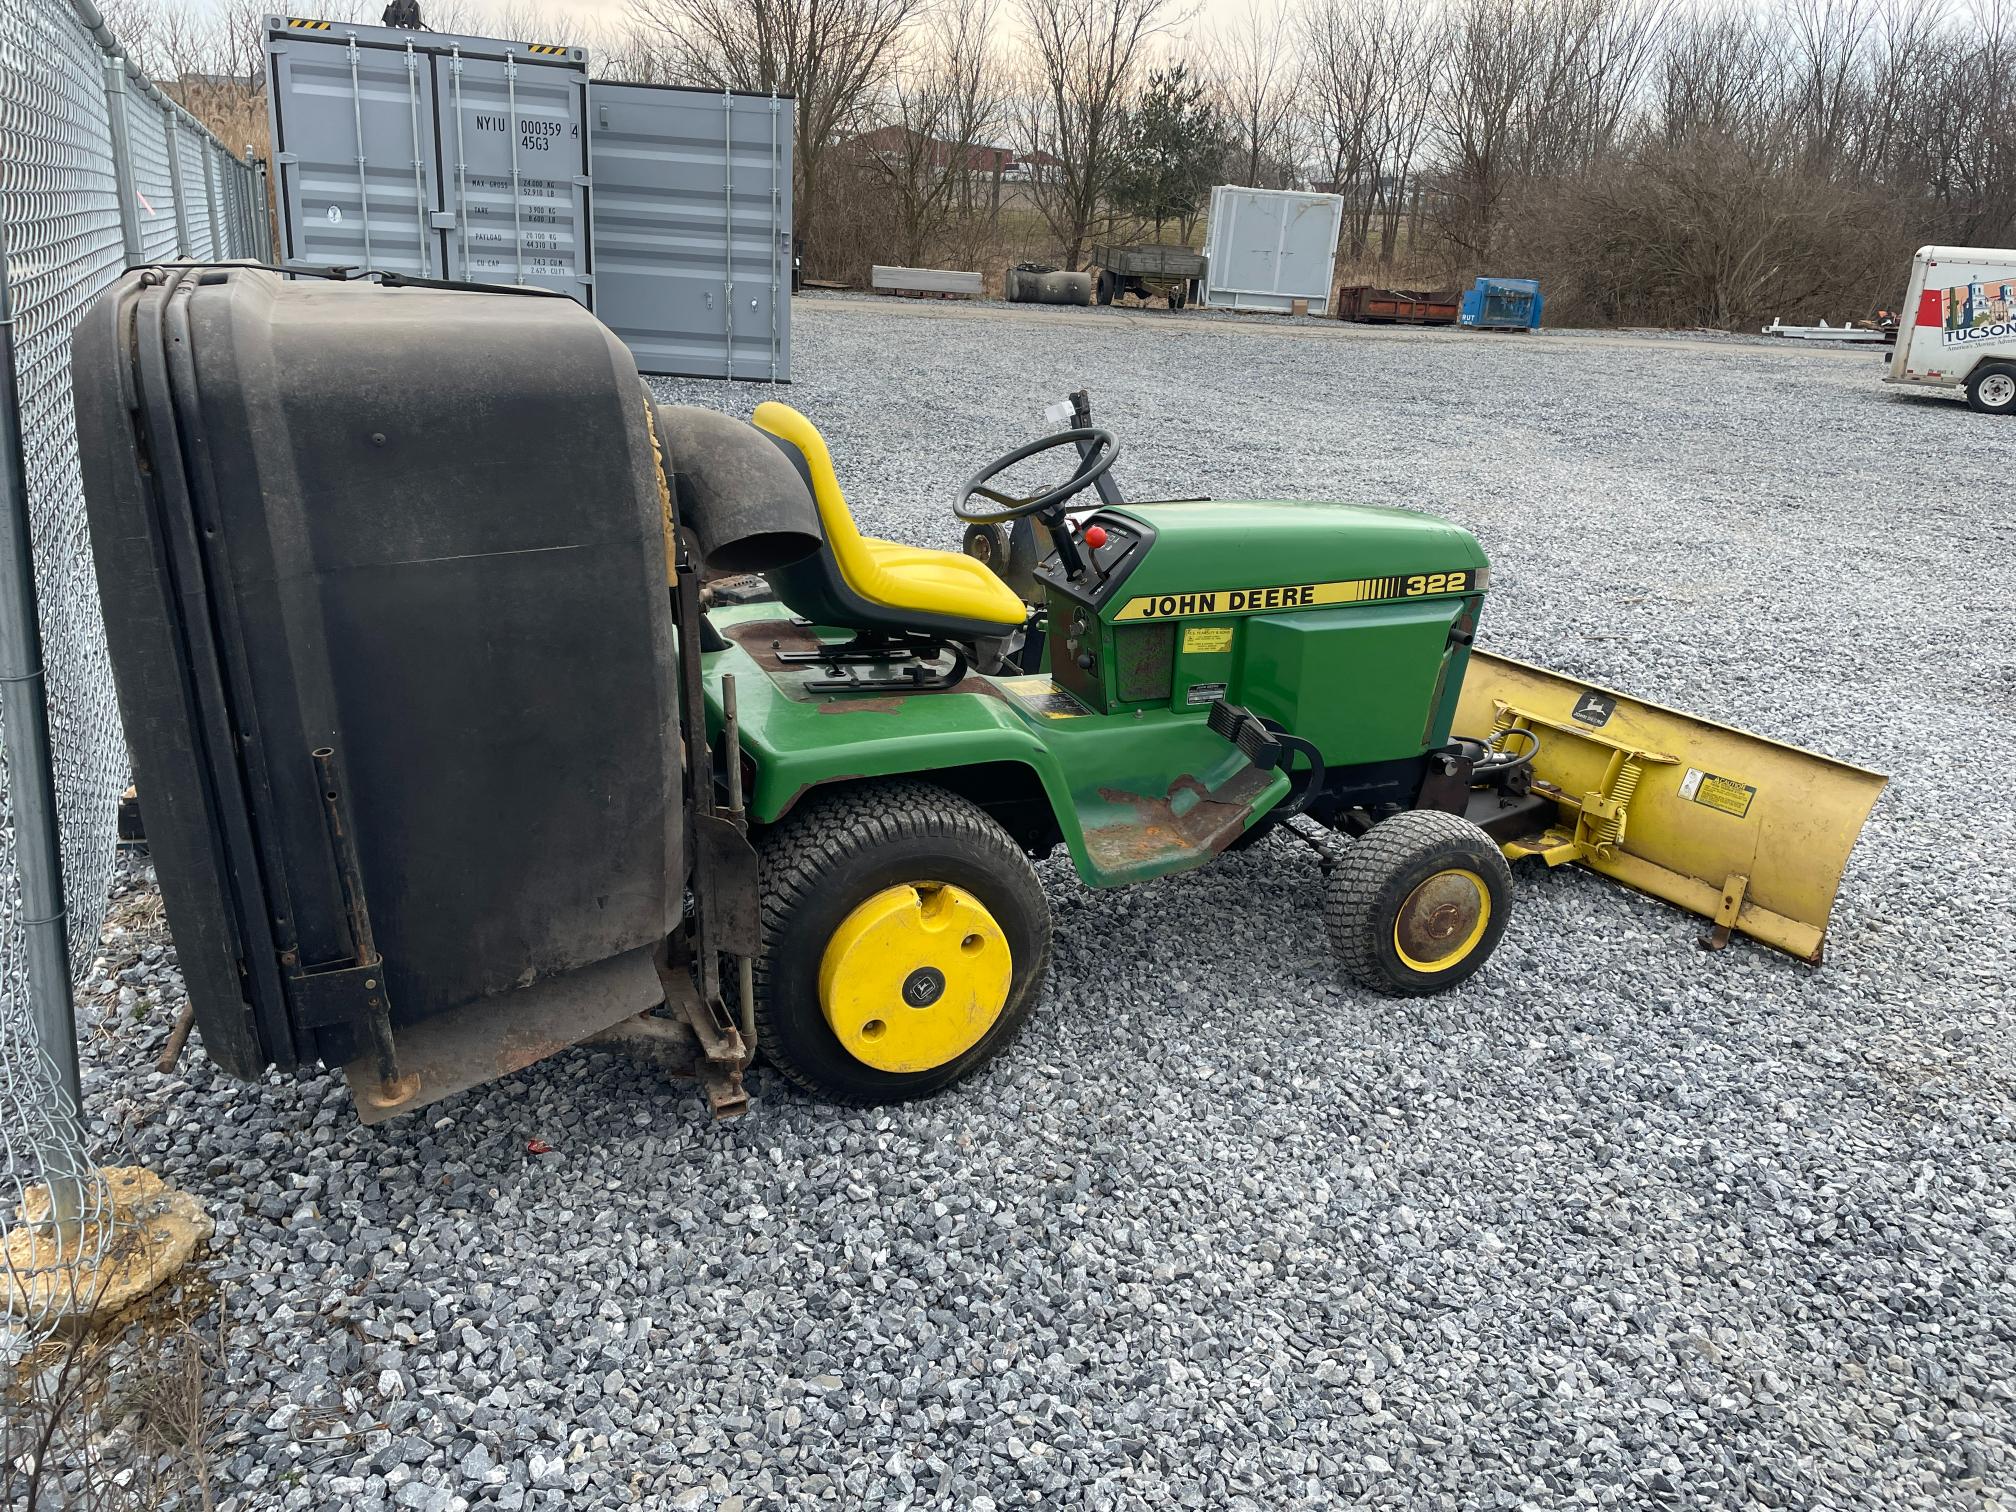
[1267, 248]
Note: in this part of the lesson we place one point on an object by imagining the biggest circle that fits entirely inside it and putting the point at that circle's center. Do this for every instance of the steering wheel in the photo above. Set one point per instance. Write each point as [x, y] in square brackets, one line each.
[1090, 469]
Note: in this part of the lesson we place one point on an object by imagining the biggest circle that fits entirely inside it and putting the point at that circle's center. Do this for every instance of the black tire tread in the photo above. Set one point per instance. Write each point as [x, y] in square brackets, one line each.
[799, 849]
[1370, 862]
[1974, 381]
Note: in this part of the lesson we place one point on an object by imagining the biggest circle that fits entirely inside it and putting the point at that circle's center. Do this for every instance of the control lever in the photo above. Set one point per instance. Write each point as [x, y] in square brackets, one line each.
[1081, 417]
[1076, 413]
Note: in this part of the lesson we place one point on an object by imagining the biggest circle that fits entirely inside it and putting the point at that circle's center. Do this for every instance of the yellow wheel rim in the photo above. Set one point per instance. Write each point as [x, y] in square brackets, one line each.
[1442, 921]
[915, 977]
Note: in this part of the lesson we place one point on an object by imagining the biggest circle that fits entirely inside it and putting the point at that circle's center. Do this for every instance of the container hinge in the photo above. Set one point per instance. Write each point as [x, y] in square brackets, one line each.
[341, 997]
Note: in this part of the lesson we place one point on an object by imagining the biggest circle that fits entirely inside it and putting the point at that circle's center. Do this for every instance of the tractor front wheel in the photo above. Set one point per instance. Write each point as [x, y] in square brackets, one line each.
[1418, 903]
[905, 938]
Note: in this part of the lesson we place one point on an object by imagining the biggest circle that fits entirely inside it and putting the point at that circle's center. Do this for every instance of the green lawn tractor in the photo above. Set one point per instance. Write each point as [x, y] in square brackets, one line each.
[482, 706]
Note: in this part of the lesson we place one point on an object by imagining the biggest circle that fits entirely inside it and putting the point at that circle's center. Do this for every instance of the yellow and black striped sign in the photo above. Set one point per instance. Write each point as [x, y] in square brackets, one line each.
[1298, 595]
[544, 49]
[302, 23]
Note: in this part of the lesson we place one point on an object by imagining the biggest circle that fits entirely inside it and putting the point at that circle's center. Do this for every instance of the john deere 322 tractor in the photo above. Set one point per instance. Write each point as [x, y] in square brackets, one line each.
[462, 737]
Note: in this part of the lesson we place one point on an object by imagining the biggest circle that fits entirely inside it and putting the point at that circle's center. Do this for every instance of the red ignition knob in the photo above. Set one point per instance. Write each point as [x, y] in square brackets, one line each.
[1095, 536]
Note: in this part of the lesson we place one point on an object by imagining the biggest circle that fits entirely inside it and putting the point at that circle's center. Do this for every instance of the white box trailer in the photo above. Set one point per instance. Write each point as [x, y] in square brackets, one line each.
[1266, 248]
[1959, 325]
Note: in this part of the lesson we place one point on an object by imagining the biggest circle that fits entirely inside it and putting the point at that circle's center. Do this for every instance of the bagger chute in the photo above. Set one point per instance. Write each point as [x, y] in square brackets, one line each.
[1748, 832]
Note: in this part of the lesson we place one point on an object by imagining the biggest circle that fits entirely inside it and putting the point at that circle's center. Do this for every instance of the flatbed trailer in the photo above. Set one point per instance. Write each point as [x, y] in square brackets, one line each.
[1147, 271]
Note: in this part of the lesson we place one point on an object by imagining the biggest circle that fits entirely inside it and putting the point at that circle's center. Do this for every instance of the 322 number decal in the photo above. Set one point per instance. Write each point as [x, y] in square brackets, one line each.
[1437, 582]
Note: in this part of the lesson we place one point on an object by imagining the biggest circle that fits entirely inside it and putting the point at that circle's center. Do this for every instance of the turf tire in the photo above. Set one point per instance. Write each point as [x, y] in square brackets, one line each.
[839, 848]
[1378, 872]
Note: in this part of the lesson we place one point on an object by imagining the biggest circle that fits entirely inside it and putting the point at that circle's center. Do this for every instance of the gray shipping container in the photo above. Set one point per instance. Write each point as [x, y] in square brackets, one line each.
[693, 228]
[442, 156]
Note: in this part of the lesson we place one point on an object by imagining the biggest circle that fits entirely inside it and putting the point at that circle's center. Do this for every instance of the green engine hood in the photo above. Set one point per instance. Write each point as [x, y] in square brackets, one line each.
[1203, 545]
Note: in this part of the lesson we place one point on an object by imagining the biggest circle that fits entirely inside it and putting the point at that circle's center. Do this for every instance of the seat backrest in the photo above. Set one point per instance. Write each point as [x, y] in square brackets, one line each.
[843, 538]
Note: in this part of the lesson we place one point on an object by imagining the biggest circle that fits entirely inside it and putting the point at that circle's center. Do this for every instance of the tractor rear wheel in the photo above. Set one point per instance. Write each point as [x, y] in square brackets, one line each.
[1991, 389]
[905, 938]
[1418, 903]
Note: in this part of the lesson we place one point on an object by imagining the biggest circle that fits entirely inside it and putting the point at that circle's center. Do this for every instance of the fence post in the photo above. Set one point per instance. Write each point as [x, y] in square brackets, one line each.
[122, 157]
[262, 212]
[183, 246]
[31, 782]
[218, 233]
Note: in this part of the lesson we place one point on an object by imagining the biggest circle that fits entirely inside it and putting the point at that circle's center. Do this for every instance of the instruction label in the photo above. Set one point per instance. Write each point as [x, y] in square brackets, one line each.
[1039, 695]
[1724, 794]
[1204, 693]
[1207, 639]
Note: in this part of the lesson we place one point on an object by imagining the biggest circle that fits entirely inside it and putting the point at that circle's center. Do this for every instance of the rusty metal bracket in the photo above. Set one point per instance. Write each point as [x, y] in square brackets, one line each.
[394, 1087]
[1726, 911]
[724, 1054]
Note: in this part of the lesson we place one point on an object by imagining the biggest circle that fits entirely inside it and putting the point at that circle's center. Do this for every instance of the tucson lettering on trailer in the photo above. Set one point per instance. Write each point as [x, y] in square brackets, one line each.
[2000, 332]
[1297, 595]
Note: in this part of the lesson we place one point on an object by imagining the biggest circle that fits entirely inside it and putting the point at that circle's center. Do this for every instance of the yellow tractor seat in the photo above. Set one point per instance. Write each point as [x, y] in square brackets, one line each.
[857, 582]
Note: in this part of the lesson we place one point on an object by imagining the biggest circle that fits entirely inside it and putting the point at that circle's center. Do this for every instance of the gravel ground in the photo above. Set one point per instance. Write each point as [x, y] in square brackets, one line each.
[1619, 1223]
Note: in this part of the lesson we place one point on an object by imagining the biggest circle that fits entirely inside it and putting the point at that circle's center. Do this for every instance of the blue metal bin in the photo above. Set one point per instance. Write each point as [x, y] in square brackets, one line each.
[1502, 304]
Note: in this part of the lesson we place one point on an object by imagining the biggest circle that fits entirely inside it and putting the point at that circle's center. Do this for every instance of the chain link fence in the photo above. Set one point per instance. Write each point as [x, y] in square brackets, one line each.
[98, 170]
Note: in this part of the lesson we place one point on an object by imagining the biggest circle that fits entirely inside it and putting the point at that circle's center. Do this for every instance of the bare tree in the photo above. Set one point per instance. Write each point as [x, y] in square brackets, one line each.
[944, 105]
[1830, 39]
[1085, 58]
[833, 56]
[1536, 89]
[978, 98]
[1253, 66]
[1369, 88]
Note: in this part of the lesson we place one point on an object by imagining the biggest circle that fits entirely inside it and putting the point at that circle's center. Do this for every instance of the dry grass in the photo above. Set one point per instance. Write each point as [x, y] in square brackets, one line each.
[116, 1416]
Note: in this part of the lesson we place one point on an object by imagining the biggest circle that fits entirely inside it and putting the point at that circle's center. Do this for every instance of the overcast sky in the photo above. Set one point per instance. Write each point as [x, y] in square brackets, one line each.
[575, 19]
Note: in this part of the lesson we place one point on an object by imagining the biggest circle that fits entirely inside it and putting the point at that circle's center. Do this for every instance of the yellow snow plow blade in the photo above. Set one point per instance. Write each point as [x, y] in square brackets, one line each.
[1745, 831]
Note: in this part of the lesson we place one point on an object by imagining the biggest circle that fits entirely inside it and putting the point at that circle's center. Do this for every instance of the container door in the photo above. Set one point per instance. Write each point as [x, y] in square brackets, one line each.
[515, 163]
[693, 229]
[357, 165]
[1308, 249]
[1252, 246]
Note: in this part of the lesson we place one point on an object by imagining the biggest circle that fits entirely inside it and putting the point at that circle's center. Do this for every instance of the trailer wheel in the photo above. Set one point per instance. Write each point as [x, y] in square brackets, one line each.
[1176, 297]
[1103, 290]
[1991, 389]
[1418, 903]
[905, 938]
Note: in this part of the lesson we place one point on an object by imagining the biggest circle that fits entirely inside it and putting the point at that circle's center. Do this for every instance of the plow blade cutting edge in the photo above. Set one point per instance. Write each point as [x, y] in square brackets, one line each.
[1748, 832]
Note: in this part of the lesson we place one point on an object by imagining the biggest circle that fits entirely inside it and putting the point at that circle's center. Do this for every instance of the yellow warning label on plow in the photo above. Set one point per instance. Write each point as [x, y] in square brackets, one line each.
[1723, 793]
[1207, 638]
